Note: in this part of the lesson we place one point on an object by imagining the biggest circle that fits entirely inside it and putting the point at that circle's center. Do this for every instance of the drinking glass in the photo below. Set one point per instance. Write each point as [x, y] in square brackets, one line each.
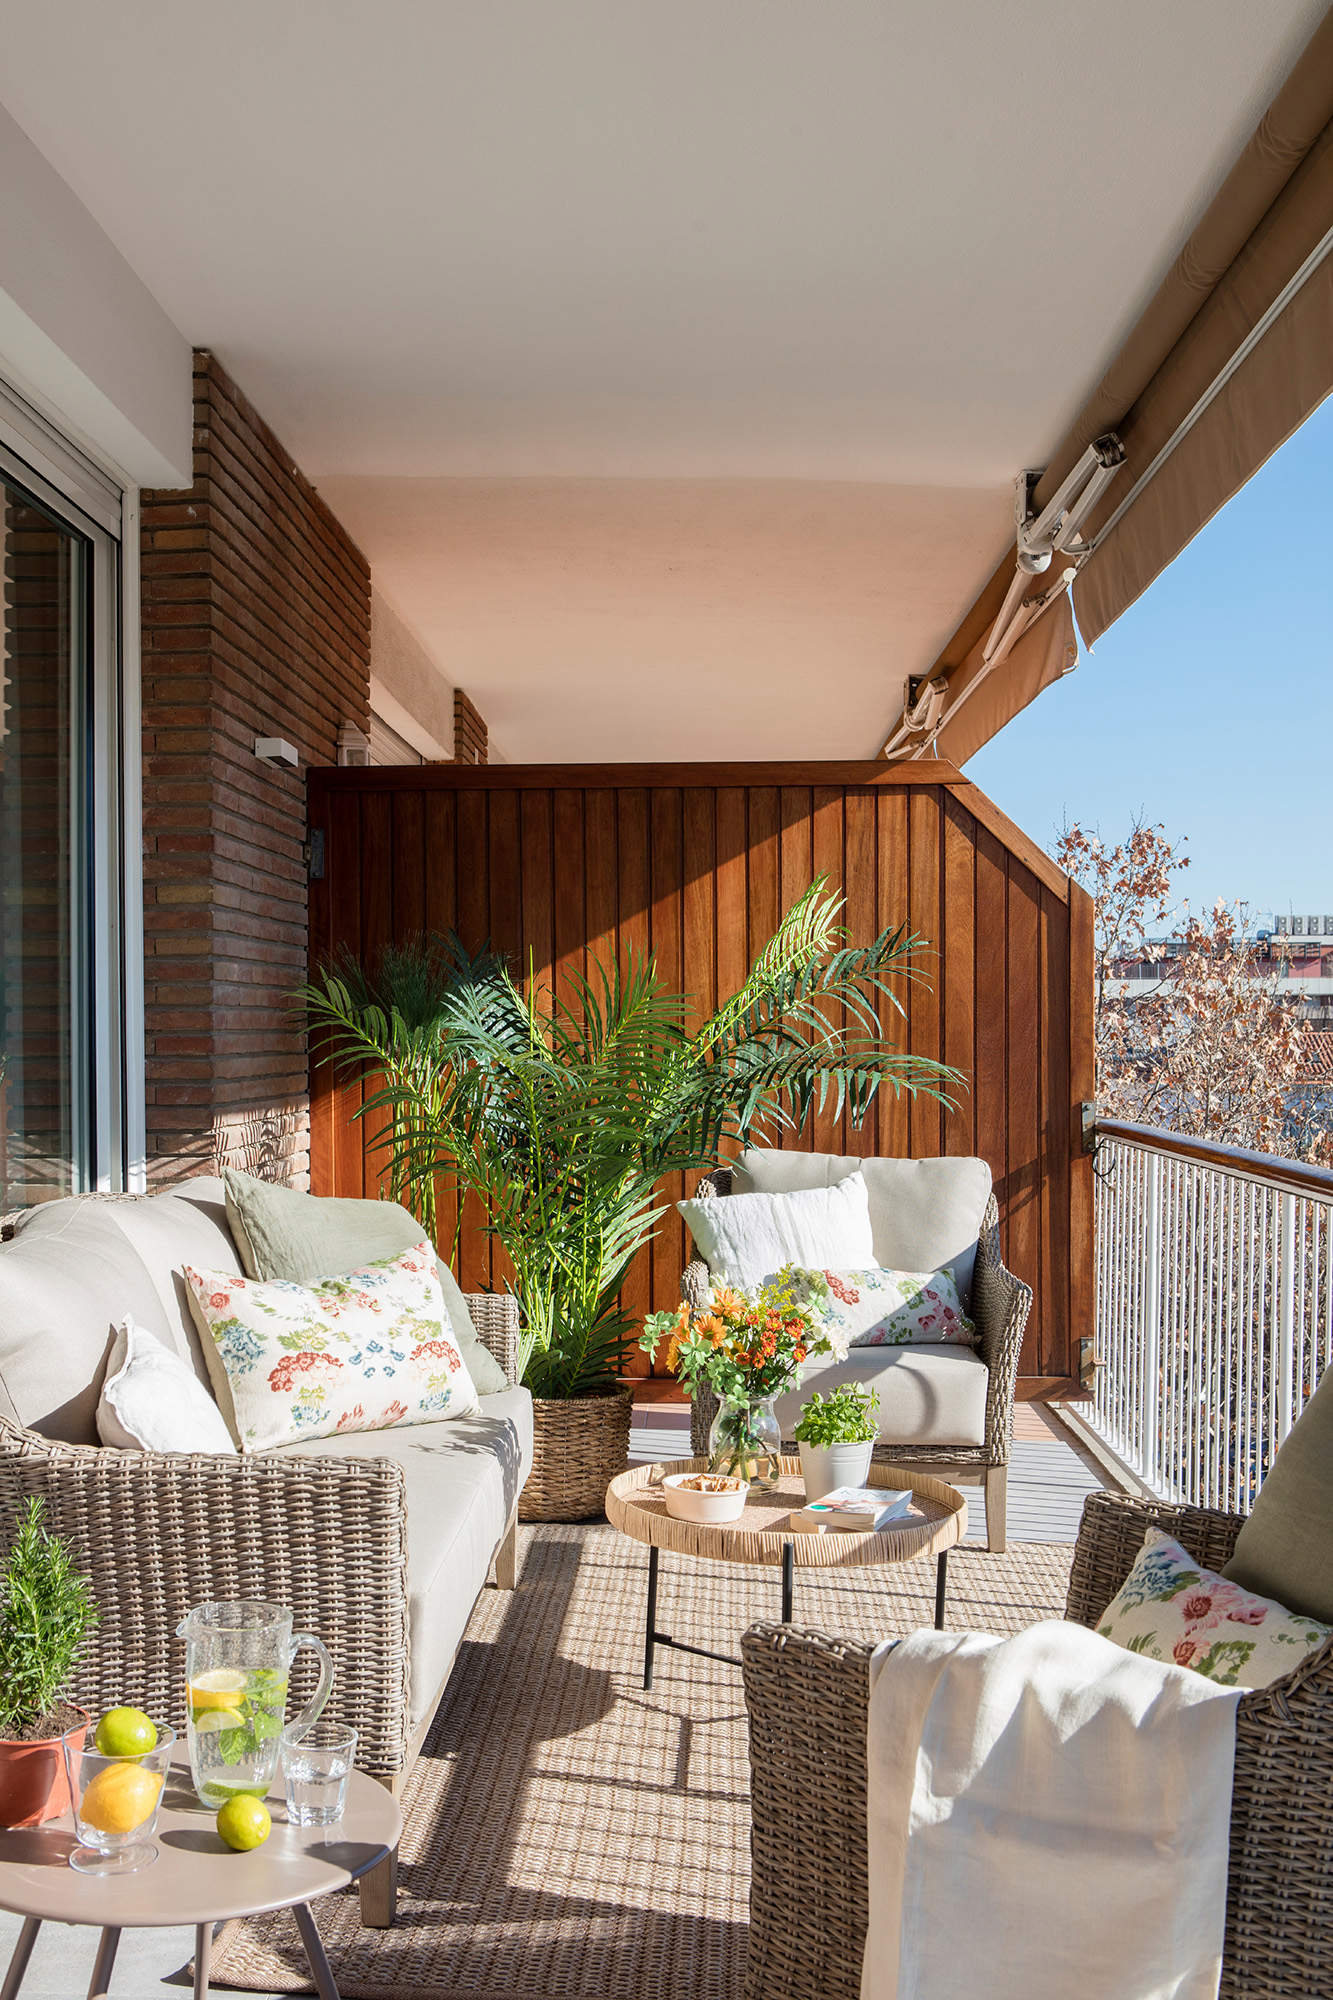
[237, 1658]
[115, 1806]
[315, 1764]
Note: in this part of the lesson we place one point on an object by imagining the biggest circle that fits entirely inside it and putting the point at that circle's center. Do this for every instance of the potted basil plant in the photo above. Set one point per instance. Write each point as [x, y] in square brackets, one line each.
[837, 1435]
[47, 1611]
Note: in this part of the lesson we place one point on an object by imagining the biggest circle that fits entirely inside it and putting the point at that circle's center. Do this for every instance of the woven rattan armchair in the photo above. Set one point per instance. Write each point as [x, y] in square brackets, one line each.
[1000, 1307]
[808, 1694]
[327, 1536]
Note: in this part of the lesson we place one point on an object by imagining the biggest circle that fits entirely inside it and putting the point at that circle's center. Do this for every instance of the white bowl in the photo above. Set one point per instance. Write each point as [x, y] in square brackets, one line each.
[687, 1503]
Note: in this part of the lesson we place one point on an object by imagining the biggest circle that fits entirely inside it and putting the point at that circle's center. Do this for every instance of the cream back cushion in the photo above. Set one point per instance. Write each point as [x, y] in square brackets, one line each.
[924, 1214]
[66, 1281]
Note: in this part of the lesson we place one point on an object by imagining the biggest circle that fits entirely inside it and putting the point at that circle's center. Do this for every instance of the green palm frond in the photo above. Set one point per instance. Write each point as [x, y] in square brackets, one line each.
[563, 1110]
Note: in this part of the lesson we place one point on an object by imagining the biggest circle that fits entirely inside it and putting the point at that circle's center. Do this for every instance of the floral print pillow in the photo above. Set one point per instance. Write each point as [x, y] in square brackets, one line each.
[362, 1352]
[879, 1308]
[1170, 1609]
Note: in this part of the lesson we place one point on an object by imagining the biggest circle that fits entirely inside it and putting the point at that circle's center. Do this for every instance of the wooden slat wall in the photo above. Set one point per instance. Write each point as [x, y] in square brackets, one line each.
[698, 863]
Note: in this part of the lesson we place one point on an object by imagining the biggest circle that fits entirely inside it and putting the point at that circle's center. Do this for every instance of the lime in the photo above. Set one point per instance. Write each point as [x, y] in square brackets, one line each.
[120, 1798]
[210, 1720]
[125, 1732]
[244, 1823]
[220, 1687]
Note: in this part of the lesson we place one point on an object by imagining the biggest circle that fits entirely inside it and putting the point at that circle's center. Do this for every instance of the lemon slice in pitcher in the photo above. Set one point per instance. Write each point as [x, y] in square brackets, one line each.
[222, 1689]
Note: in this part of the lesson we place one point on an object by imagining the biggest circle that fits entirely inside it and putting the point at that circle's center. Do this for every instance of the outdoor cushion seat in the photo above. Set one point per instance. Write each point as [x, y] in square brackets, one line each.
[463, 1482]
[924, 1214]
[378, 1540]
[928, 1395]
[942, 1410]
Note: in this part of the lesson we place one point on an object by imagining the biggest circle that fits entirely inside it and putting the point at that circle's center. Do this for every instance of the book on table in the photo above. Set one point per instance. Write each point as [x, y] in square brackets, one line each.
[849, 1508]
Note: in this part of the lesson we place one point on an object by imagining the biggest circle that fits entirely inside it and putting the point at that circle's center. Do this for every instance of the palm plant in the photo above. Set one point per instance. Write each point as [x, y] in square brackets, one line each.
[564, 1110]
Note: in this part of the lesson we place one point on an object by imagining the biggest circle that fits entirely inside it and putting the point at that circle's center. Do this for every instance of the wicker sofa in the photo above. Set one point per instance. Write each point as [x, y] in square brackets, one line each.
[807, 1696]
[978, 1446]
[380, 1543]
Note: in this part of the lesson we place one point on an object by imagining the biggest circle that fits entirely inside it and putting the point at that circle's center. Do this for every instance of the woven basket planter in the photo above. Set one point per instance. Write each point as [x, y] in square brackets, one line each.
[578, 1447]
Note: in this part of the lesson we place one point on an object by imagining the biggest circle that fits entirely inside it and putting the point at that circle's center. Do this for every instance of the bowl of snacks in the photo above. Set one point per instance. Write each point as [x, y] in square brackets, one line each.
[704, 1496]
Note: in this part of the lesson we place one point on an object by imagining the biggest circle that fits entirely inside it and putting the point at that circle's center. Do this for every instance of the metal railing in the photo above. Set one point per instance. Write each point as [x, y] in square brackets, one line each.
[1214, 1308]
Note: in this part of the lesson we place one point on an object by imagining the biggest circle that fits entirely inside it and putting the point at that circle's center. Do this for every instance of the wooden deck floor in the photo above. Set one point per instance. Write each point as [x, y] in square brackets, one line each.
[1049, 1472]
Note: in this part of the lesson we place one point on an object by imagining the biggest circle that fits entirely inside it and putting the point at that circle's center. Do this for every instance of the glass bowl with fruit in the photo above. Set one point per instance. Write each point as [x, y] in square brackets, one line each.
[116, 1785]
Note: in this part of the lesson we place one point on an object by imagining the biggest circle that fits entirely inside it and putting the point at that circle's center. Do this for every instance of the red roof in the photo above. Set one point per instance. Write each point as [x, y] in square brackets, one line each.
[1317, 1062]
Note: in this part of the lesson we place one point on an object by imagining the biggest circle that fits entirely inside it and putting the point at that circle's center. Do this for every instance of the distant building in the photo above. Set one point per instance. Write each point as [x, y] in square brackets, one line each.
[1302, 946]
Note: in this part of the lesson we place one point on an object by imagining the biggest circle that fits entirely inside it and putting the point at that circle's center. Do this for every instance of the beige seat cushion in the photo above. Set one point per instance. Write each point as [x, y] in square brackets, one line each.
[1285, 1549]
[463, 1480]
[924, 1214]
[927, 1395]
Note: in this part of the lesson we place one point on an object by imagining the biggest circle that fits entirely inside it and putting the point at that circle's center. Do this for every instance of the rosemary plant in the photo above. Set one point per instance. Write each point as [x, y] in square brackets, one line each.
[47, 1611]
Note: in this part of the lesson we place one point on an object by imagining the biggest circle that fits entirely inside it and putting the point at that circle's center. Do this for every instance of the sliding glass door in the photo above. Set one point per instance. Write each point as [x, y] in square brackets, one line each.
[46, 1083]
[62, 971]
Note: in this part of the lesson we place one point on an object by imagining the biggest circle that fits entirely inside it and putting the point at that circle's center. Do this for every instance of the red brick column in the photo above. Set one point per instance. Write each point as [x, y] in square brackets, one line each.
[256, 622]
[470, 733]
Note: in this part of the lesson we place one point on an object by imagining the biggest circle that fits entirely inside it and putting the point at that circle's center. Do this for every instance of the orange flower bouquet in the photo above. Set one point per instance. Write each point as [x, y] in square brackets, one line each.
[747, 1347]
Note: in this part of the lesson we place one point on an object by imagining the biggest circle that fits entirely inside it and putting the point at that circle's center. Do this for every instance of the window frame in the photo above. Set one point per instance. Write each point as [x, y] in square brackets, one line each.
[108, 969]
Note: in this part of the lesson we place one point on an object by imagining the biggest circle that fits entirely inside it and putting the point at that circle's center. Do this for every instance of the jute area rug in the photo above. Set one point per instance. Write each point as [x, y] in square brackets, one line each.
[568, 1835]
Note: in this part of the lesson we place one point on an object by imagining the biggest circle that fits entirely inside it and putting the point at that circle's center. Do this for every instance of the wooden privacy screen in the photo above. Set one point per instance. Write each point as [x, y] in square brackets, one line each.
[697, 862]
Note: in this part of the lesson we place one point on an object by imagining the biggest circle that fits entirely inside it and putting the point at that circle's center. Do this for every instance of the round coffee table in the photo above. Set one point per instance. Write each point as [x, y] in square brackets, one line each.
[635, 1504]
[195, 1879]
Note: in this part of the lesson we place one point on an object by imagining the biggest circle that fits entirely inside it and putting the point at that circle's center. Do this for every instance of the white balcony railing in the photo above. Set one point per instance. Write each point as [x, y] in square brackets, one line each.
[1214, 1308]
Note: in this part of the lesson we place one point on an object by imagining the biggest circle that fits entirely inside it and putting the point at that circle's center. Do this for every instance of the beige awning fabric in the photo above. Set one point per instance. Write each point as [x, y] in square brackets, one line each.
[981, 702]
[1271, 394]
[1270, 215]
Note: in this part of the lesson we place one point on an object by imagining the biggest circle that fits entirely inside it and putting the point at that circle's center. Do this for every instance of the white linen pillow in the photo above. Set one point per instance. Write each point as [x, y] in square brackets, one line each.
[366, 1350]
[747, 1238]
[153, 1401]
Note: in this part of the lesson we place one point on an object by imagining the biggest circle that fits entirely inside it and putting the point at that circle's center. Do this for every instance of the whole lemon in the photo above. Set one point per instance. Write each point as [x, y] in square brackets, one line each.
[244, 1822]
[120, 1798]
[125, 1732]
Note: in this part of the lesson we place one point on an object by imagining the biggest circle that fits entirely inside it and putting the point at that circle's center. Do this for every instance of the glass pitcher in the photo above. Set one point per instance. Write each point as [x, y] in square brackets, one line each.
[237, 1659]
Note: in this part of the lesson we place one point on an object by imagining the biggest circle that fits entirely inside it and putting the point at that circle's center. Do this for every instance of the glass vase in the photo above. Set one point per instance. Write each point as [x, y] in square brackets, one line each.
[745, 1441]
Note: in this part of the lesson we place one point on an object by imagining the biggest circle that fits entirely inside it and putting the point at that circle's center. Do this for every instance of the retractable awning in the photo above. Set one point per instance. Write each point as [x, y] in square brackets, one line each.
[1233, 353]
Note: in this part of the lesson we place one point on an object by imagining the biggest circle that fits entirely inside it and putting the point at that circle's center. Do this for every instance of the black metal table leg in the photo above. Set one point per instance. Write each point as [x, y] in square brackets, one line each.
[788, 1579]
[941, 1586]
[651, 1633]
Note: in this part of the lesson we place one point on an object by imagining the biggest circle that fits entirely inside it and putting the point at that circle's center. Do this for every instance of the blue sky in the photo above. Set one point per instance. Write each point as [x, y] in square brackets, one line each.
[1209, 704]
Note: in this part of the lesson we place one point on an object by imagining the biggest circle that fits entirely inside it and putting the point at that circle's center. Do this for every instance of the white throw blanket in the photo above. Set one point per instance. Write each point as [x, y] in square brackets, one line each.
[1048, 1819]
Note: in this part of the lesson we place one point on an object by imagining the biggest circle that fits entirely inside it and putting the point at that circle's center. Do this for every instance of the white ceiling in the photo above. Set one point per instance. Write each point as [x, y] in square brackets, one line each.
[825, 241]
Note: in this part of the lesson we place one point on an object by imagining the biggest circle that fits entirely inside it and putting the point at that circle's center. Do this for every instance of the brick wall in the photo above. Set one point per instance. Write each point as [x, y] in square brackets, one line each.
[470, 733]
[256, 622]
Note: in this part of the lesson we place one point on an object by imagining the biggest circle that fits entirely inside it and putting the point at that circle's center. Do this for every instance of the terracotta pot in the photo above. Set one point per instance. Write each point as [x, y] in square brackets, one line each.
[34, 1786]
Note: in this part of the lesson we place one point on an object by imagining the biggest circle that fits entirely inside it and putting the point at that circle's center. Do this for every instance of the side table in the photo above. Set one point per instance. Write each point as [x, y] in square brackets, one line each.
[763, 1534]
[195, 1880]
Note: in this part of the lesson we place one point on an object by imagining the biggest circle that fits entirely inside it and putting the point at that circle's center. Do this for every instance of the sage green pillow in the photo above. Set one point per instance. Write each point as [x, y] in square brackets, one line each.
[281, 1233]
[1285, 1549]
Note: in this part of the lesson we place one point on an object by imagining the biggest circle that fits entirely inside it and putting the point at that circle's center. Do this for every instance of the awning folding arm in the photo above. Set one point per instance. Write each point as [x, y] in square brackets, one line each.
[1056, 530]
[1038, 538]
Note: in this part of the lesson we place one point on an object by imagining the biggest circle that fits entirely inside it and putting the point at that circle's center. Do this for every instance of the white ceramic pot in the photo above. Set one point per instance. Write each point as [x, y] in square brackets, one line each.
[825, 1467]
